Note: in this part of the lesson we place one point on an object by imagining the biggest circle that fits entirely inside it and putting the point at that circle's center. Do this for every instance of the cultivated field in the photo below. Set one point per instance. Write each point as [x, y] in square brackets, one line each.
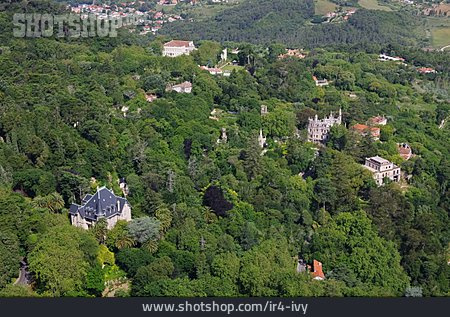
[373, 5]
[440, 36]
[322, 7]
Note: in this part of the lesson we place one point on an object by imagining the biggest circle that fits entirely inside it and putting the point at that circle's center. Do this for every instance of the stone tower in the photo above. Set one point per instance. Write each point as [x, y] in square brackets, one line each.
[264, 110]
[261, 139]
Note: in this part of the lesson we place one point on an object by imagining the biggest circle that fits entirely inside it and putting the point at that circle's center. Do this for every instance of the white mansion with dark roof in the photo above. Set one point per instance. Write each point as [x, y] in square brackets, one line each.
[103, 204]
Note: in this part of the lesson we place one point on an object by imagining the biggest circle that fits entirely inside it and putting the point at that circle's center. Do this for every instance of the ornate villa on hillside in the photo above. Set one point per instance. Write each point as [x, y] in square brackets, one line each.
[382, 168]
[103, 204]
[318, 130]
[178, 48]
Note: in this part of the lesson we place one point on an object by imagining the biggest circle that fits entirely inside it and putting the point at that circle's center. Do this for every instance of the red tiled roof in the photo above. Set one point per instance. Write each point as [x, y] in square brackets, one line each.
[176, 43]
[317, 270]
[362, 128]
[405, 151]
[426, 70]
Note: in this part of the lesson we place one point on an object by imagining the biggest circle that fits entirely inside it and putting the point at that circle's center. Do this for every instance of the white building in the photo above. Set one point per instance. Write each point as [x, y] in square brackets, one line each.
[318, 130]
[261, 139]
[224, 55]
[384, 57]
[212, 70]
[382, 168]
[185, 88]
[103, 204]
[177, 48]
[320, 82]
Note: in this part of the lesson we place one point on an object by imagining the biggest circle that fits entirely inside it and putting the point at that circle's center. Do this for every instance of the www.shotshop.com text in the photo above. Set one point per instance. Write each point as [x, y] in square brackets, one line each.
[268, 306]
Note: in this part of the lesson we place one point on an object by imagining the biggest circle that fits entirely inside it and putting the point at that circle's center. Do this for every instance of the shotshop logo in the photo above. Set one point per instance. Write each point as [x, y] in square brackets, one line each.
[35, 25]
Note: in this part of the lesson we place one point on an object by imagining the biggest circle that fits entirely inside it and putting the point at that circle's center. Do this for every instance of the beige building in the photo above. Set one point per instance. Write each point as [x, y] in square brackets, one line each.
[318, 130]
[378, 120]
[382, 168]
[184, 88]
[178, 48]
[103, 204]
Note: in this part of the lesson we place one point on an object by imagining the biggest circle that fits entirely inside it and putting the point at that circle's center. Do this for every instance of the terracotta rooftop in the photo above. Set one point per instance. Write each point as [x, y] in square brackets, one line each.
[361, 128]
[176, 43]
[426, 70]
[404, 150]
[317, 272]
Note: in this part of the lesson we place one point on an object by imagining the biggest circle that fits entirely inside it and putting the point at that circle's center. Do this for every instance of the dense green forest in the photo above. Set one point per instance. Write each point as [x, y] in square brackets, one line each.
[288, 22]
[221, 218]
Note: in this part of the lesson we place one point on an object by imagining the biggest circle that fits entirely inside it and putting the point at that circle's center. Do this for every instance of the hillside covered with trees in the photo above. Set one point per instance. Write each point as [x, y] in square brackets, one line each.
[214, 217]
[289, 22]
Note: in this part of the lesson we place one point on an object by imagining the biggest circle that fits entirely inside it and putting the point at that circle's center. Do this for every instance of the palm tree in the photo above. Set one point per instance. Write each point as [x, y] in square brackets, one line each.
[164, 215]
[124, 241]
[100, 230]
[53, 202]
[151, 245]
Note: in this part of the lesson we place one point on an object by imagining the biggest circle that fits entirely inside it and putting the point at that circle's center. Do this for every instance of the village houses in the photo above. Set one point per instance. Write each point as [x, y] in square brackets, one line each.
[297, 53]
[364, 130]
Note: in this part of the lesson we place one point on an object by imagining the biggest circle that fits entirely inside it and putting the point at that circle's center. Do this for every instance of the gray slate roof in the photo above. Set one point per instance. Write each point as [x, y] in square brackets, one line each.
[103, 204]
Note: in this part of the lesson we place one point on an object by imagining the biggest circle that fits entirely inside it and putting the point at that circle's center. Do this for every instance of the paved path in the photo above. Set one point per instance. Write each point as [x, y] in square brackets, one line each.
[23, 278]
[443, 49]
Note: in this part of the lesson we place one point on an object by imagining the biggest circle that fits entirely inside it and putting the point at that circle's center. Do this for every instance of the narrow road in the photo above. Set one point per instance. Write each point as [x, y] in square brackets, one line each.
[23, 278]
[443, 48]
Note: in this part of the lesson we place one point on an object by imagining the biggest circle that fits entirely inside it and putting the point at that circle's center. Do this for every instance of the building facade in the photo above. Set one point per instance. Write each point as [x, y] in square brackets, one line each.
[320, 82]
[378, 120]
[318, 130]
[103, 204]
[184, 88]
[381, 169]
[178, 48]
